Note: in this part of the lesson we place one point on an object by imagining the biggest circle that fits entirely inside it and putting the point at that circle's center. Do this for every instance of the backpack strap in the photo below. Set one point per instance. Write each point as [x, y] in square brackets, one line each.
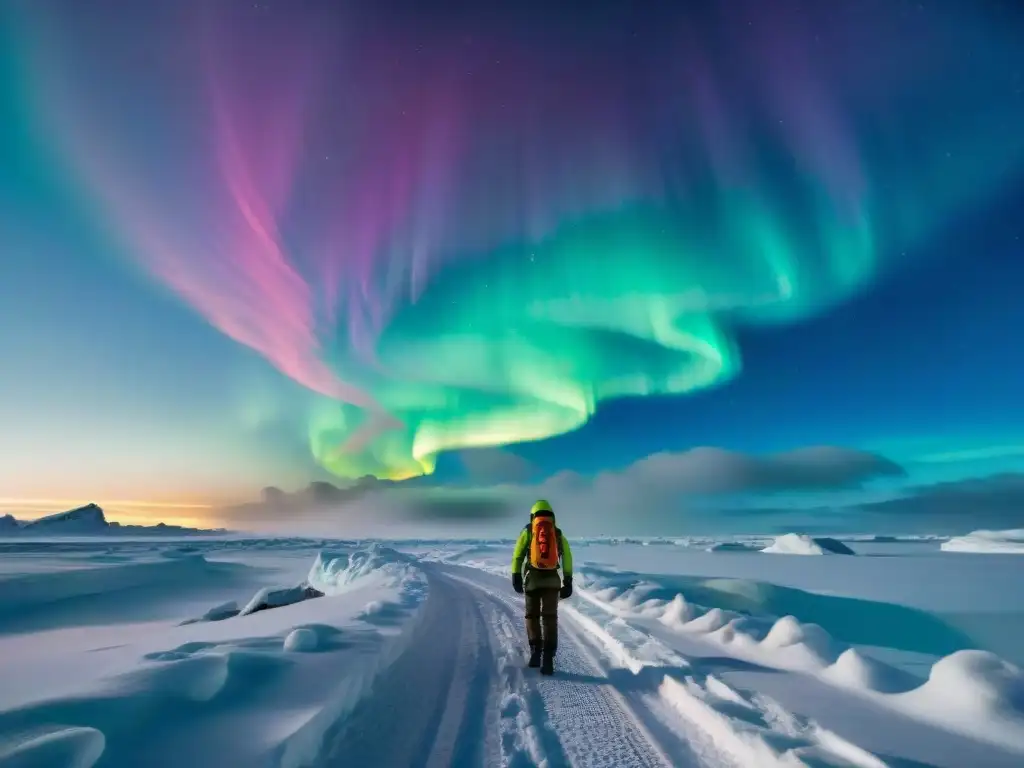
[528, 528]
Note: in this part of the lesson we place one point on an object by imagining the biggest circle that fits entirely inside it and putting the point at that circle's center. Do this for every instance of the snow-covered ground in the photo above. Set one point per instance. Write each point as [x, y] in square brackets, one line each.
[695, 652]
[988, 541]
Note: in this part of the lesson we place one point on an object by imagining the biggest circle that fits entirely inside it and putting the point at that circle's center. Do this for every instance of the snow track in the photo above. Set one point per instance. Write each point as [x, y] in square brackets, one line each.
[431, 707]
[575, 718]
[463, 696]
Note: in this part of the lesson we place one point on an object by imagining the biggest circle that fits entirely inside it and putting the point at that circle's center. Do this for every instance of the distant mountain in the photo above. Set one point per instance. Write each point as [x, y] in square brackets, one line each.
[89, 521]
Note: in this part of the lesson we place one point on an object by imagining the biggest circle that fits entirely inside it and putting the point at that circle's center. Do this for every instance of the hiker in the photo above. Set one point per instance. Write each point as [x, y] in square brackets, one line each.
[539, 548]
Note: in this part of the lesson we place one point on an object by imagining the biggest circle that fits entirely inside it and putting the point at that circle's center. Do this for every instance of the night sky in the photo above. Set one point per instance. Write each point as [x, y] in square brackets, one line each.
[263, 243]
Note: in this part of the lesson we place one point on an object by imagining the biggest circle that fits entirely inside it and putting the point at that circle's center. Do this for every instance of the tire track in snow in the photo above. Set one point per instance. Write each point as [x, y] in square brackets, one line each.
[698, 718]
[637, 685]
[462, 696]
[429, 708]
[595, 726]
[483, 747]
[456, 714]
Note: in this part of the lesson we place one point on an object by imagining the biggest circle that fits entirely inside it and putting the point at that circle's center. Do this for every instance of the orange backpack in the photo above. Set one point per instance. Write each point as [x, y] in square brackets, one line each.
[544, 544]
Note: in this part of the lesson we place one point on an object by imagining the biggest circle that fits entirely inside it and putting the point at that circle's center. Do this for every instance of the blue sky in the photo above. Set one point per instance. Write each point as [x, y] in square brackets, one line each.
[121, 387]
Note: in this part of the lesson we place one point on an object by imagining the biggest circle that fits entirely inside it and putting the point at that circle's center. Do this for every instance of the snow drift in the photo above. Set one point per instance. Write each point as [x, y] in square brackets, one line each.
[799, 544]
[968, 691]
[332, 573]
[973, 692]
[335, 572]
[711, 603]
[263, 689]
[268, 598]
[990, 542]
[98, 591]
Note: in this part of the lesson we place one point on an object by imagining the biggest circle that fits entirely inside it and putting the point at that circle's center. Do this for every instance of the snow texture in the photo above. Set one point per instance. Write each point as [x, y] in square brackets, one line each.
[992, 542]
[302, 639]
[126, 654]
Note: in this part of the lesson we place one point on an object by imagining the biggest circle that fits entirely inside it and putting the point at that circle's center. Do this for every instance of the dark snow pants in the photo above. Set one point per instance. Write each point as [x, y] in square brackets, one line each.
[542, 614]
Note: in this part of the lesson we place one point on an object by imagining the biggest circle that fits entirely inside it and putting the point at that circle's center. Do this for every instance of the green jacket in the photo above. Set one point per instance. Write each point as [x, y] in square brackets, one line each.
[534, 579]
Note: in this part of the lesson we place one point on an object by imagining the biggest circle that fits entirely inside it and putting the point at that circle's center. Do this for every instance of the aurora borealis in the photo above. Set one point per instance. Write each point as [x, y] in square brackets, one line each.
[454, 229]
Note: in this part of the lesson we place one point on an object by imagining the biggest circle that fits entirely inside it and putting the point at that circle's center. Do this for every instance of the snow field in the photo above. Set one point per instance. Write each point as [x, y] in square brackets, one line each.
[362, 654]
[259, 689]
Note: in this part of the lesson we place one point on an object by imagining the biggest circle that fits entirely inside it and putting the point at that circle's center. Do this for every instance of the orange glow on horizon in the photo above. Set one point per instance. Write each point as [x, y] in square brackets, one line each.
[75, 503]
[126, 512]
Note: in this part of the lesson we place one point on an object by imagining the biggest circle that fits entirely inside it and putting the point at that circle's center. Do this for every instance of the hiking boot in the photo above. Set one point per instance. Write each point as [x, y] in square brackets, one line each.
[534, 655]
[547, 665]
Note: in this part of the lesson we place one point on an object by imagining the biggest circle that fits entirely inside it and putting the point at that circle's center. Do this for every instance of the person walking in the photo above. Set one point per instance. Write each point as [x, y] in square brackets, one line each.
[539, 550]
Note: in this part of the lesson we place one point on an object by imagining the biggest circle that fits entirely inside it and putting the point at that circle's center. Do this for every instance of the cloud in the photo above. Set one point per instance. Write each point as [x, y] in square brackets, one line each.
[974, 454]
[996, 501]
[379, 509]
[455, 507]
[496, 465]
[693, 491]
[947, 508]
[657, 494]
[704, 471]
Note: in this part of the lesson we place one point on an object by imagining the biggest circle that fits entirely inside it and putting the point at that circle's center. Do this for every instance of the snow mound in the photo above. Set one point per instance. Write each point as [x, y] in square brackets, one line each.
[711, 621]
[333, 573]
[973, 692]
[677, 612]
[807, 644]
[854, 670]
[800, 544]
[220, 612]
[990, 542]
[268, 598]
[978, 680]
[67, 747]
[301, 640]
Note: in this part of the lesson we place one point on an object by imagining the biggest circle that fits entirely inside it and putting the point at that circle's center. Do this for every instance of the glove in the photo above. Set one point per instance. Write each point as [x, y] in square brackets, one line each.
[517, 582]
[566, 590]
